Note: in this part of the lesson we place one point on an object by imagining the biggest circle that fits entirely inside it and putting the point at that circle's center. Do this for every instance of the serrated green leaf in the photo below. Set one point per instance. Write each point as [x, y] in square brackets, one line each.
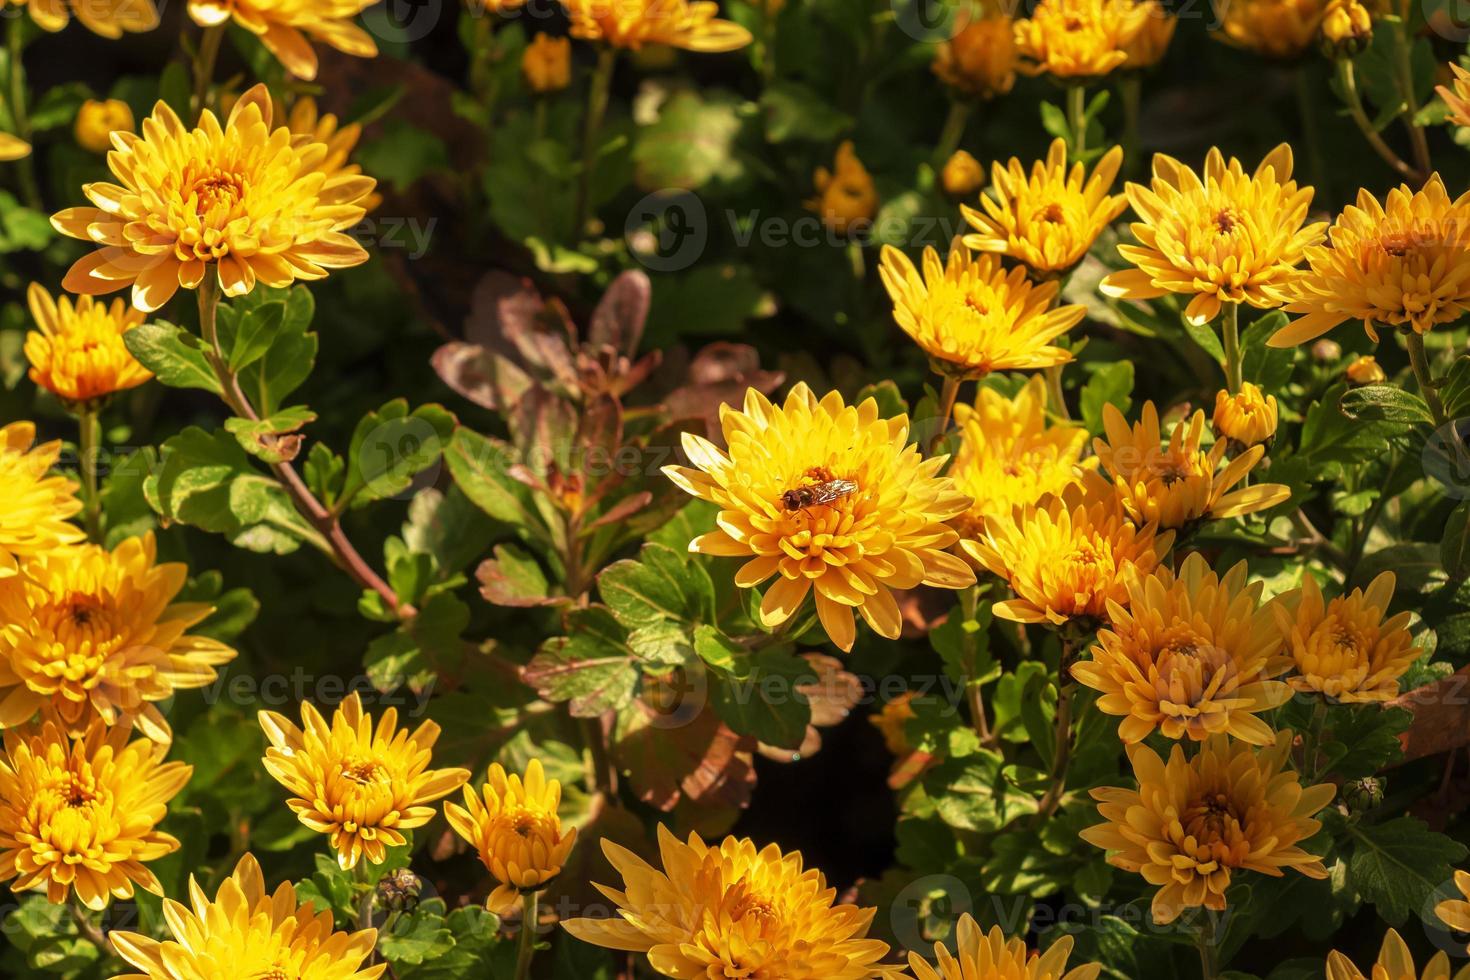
[1397, 865]
[391, 446]
[175, 356]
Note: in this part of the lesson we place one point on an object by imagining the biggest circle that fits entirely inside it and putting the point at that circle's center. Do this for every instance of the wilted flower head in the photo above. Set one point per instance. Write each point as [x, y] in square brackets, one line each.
[962, 175]
[34, 506]
[846, 198]
[98, 119]
[109, 18]
[546, 64]
[1152, 40]
[81, 815]
[1395, 962]
[1349, 649]
[731, 909]
[689, 24]
[1048, 218]
[77, 353]
[1079, 39]
[245, 203]
[1246, 418]
[360, 785]
[980, 59]
[287, 27]
[1281, 29]
[1457, 95]
[513, 824]
[1193, 822]
[830, 499]
[991, 956]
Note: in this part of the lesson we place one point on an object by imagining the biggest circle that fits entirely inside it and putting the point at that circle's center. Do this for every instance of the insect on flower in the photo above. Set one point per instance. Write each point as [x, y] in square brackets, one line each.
[826, 490]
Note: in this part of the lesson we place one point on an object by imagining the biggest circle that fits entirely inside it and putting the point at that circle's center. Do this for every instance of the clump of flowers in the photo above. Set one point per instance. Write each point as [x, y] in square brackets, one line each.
[1245, 419]
[1456, 95]
[846, 198]
[107, 18]
[37, 504]
[689, 24]
[287, 27]
[77, 351]
[1348, 648]
[1078, 40]
[1395, 962]
[980, 955]
[979, 61]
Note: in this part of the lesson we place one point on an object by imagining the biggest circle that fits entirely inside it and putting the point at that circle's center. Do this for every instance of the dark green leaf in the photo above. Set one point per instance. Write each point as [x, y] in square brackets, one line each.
[175, 356]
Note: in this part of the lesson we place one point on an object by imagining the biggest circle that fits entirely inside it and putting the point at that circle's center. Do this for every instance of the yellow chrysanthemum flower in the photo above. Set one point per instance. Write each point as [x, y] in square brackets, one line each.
[78, 353]
[1229, 237]
[1192, 655]
[1193, 822]
[81, 815]
[1455, 912]
[979, 61]
[1457, 95]
[962, 175]
[360, 785]
[832, 500]
[35, 508]
[1152, 40]
[12, 147]
[546, 64]
[991, 956]
[774, 917]
[1078, 39]
[1395, 962]
[92, 633]
[846, 197]
[1346, 648]
[1175, 483]
[245, 203]
[1246, 418]
[1050, 218]
[688, 24]
[287, 27]
[98, 119]
[108, 18]
[1009, 456]
[973, 317]
[1406, 264]
[1068, 557]
[246, 931]
[513, 824]
[1280, 29]
[308, 125]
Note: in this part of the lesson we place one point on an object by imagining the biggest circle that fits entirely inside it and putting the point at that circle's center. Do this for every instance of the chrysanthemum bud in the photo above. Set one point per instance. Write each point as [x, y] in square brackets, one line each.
[1362, 795]
[1326, 351]
[962, 175]
[1347, 29]
[98, 120]
[546, 64]
[1246, 418]
[398, 890]
[1366, 371]
[980, 60]
[846, 198]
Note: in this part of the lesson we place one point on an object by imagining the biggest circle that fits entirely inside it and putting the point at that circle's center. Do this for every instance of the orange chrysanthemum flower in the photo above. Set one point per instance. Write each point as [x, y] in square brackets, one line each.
[1078, 39]
[1176, 484]
[1280, 29]
[1457, 95]
[846, 196]
[78, 353]
[830, 499]
[245, 203]
[1193, 822]
[688, 24]
[308, 125]
[991, 956]
[1246, 418]
[287, 27]
[1348, 649]
[246, 931]
[81, 815]
[33, 518]
[108, 18]
[1152, 41]
[1191, 655]
[361, 786]
[90, 633]
[1049, 218]
[1226, 237]
[1406, 264]
[1395, 962]
[972, 317]
[775, 917]
[979, 61]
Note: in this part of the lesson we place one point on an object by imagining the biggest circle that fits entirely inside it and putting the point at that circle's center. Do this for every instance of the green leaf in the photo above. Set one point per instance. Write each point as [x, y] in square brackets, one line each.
[1454, 547]
[270, 439]
[403, 154]
[592, 666]
[391, 446]
[1329, 436]
[964, 645]
[175, 356]
[481, 466]
[976, 792]
[1111, 384]
[255, 332]
[757, 693]
[690, 143]
[795, 111]
[1385, 403]
[1267, 367]
[513, 578]
[1205, 336]
[661, 584]
[268, 379]
[1362, 739]
[1397, 865]
[418, 936]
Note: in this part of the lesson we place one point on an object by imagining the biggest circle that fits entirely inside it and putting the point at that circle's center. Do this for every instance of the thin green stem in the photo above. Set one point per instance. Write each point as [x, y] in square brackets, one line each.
[597, 98]
[949, 393]
[89, 426]
[15, 45]
[1420, 362]
[1230, 335]
[527, 946]
[1209, 953]
[1312, 741]
[1062, 738]
[1077, 118]
[953, 132]
[1347, 77]
[88, 929]
[204, 61]
[1417, 139]
[1055, 394]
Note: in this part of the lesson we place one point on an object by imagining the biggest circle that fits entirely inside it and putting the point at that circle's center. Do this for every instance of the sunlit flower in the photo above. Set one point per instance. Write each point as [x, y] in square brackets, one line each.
[287, 27]
[1455, 912]
[91, 633]
[1365, 370]
[1152, 41]
[1348, 649]
[1175, 483]
[246, 203]
[846, 198]
[109, 18]
[1049, 218]
[1246, 418]
[979, 61]
[890, 721]
[81, 815]
[13, 148]
[360, 785]
[1193, 822]
[1457, 95]
[98, 119]
[246, 931]
[514, 826]
[308, 125]
[830, 499]
[1395, 962]
[1403, 265]
[78, 353]
[546, 64]
[1078, 39]
[1229, 237]
[1067, 556]
[1281, 29]
[34, 506]
[962, 175]
[689, 24]
[1009, 456]
[991, 956]
[973, 317]
[1192, 655]
[731, 910]
[1347, 28]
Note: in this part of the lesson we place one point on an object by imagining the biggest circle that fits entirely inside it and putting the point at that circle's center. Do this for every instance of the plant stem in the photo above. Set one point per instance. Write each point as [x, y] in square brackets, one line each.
[1055, 394]
[1230, 331]
[89, 426]
[953, 131]
[969, 600]
[1066, 689]
[1417, 139]
[204, 61]
[949, 393]
[86, 927]
[527, 945]
[1209, 955]
[597, 98]
[1420, 362]
[15, 43]
[1077, 117]
[1349, 81]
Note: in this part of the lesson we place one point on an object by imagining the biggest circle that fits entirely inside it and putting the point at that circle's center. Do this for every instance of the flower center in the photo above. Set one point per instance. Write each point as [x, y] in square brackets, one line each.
[365, 771]
[1052, 214]
[1226, 221]
[1212, 819]
[216, 189]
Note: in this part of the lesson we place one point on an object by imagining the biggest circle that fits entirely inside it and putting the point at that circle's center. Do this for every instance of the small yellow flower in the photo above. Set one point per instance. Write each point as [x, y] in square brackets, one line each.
[1455, 912]
[846, 198]
[1176, 484]
[360, 785]
[287, 27]
[1457, 98]
[13, 148]
[1406, 264]
[830, 499]
[1246, 418]
[78, 353]
[1347, 28]
[245, 203]
[979, 61]
[1152, 41]
[246, 931]
[774, 918]
[962, 175]
[890, 722]
[1346, 648]
[1226, 237]
[98, 120]
[1079, 39]
[973, 317]
[33, 517]
[991, 956]
[1365, 370]
[81, 815]
[1280, 29]
[1049, 219]
[516, 830]
[1395, 962]
[91, 633]
[688, 24]
[1191, 656]
[108, 18]
[546, 64]
[1193, 822]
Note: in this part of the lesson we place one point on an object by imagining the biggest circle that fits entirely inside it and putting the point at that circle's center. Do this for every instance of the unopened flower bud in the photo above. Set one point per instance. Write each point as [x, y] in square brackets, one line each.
[1362, 795]
[398, 890]
[1347, 28]
[1366, 371]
